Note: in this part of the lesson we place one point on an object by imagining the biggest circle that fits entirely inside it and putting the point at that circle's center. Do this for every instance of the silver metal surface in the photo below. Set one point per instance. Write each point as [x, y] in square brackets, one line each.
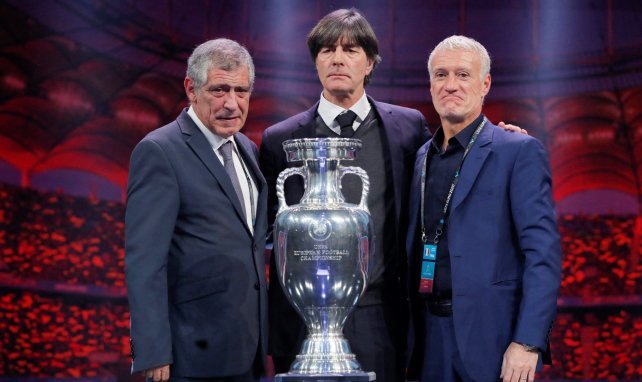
[322, 248]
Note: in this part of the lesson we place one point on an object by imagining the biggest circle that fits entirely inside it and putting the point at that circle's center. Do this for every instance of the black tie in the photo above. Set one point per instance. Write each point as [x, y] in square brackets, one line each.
[228, 163]
[345, 121]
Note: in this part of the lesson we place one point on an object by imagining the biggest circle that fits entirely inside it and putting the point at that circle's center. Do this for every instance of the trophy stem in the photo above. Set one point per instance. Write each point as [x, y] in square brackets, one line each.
[323, 182]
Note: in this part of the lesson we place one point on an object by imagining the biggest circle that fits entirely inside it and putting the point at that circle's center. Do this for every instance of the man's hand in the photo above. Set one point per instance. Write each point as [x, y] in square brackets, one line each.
[510, 127]
[157, 374]
[518, 365]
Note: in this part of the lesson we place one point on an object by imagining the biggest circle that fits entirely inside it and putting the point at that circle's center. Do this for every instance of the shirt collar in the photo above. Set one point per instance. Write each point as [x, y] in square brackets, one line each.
[463, 137]
[216, 141]
[329, 111]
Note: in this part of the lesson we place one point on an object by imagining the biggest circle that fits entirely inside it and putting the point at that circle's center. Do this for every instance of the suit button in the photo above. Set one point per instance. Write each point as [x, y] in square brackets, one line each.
[256, 286]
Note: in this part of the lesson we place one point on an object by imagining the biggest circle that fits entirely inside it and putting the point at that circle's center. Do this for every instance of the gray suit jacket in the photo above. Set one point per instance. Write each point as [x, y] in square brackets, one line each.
[195, 273]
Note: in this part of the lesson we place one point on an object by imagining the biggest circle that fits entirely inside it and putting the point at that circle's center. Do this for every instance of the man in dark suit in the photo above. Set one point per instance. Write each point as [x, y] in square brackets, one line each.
[483, 245]
[345, 51]
[195, 232]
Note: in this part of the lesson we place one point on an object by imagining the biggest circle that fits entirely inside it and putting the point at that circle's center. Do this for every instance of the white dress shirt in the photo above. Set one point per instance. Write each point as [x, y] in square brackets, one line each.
[242, 171]
[329, 112]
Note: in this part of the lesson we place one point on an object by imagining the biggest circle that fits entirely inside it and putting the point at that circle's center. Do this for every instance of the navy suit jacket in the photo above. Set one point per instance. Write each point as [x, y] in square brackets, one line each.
[504, 244]
[405, 131]
[195, 272]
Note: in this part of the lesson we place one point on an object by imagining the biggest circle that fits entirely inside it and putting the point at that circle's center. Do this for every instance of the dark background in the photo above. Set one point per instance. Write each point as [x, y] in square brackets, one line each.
[81, 82]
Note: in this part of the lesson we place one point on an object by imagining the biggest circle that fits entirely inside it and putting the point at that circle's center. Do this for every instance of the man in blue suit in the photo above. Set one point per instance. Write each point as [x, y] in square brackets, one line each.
[345, 51]
[195, 232]
[484, 251]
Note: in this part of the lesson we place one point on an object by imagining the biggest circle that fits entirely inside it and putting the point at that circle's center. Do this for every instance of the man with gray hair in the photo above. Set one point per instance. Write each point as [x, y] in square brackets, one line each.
[483, 247]
[195, 229]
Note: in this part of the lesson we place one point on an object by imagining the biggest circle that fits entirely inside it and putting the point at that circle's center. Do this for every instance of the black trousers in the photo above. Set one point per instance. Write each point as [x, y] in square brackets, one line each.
[252, 375]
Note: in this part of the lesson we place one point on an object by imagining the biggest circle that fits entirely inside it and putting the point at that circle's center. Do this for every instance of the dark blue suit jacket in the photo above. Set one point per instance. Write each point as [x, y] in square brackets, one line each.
[195, 273]
[504, 247]
[405, 129]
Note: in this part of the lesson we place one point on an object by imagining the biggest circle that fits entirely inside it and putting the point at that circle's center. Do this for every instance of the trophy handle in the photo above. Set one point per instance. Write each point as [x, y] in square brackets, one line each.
[280, 181]
[365, 180]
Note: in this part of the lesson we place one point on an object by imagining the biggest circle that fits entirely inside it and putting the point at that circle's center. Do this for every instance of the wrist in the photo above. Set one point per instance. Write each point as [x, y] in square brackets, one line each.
[529, 348]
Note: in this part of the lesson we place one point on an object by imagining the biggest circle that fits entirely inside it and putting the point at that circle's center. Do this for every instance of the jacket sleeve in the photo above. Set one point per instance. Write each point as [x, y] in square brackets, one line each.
[536, 226]
[151, 212]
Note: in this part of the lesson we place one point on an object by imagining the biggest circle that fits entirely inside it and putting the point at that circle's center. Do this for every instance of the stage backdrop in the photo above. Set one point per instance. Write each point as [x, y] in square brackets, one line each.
[81, 82]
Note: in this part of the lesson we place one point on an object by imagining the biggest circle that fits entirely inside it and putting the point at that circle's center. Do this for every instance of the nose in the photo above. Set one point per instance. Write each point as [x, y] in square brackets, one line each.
[338, 56]
[451, 83]
[230, 102]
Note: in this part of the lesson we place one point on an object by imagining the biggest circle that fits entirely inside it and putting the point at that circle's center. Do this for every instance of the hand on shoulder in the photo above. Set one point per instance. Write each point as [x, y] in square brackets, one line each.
[512, 128]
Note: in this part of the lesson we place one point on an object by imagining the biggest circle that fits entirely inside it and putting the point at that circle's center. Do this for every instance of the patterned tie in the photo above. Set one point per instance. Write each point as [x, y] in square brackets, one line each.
[228, 163]
[345, 120]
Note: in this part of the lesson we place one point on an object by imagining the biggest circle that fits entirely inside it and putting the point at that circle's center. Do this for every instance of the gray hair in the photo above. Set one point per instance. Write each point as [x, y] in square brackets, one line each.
[463, 43]
[220, 53]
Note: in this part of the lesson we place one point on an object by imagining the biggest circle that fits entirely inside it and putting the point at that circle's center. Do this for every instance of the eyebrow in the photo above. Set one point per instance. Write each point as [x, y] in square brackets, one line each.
[457, 69]
[343, 45]
[225, 85]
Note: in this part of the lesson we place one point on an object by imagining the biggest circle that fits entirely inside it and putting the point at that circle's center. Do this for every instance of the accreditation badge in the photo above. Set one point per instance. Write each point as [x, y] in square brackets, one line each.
[427, 277]
[428, 268]
[430, 252]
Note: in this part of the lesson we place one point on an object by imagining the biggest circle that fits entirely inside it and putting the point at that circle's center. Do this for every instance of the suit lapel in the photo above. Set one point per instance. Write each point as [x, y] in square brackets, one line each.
[473, 164]
[249, 158]
[306, 127]
[415, 196]
[246, 151]
[203, 150]
[250, 161]
[393, 132]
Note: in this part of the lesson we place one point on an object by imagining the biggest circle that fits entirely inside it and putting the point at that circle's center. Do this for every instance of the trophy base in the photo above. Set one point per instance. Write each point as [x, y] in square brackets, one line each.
[333, 377]
[326, 354]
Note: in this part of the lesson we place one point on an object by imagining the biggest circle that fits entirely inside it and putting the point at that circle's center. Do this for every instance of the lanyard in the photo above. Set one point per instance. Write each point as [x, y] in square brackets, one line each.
[440, 226]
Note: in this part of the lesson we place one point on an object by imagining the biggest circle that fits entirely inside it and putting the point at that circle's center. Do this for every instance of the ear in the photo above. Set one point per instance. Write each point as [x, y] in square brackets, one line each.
[190, 90]
[369, 67]
[486, 85]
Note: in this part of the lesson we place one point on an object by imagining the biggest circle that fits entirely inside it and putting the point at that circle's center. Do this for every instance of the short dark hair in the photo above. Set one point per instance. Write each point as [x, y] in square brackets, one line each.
[351, 25]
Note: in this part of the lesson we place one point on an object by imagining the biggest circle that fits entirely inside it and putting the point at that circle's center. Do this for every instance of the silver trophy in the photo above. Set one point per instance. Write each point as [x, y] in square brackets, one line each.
[322, 247]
